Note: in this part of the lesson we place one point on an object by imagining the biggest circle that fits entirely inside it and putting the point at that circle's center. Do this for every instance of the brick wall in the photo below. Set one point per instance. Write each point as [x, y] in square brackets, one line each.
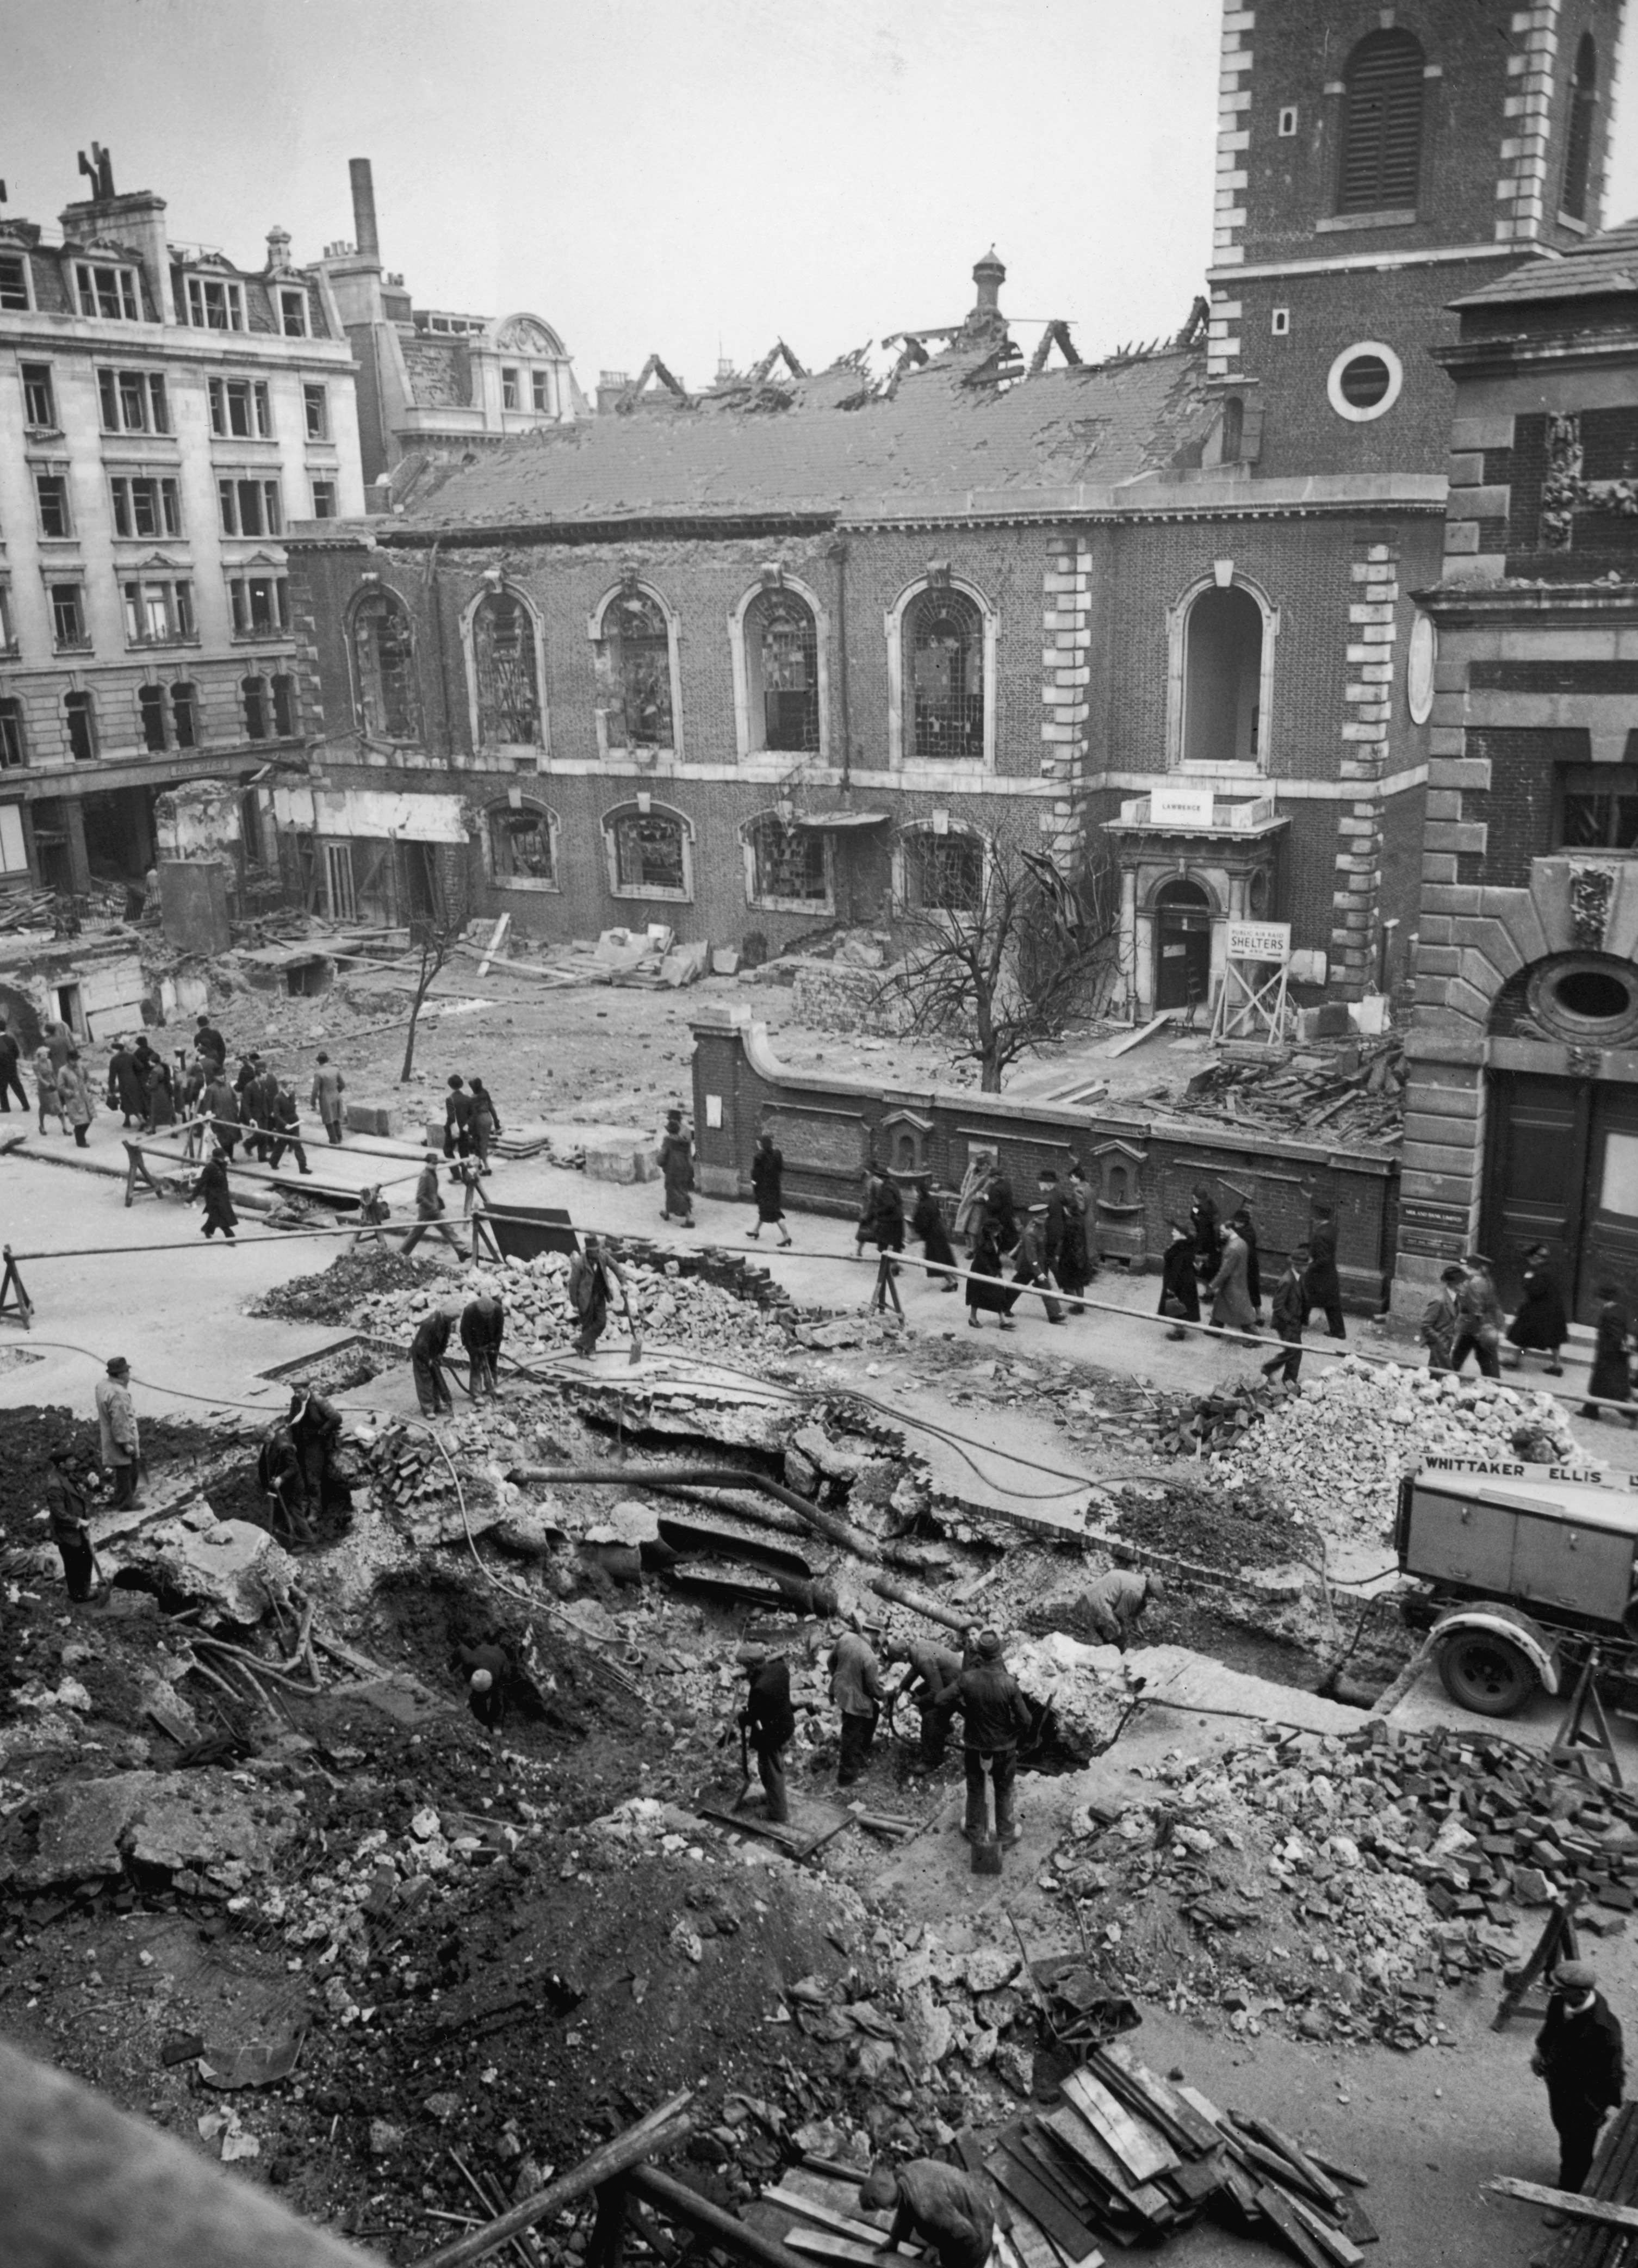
[1517, 810]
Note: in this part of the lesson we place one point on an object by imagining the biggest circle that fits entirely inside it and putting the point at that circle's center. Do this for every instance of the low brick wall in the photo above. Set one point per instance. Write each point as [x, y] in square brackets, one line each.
[1142, 1168]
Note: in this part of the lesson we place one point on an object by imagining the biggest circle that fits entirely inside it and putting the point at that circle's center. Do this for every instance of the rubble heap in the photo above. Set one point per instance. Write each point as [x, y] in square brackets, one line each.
[1355, 1093]
[1339, 1450]
[1333, 1884]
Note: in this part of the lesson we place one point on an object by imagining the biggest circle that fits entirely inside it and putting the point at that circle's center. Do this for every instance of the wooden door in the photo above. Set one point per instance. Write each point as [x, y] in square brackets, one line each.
[1536, 1163]
[1182, 955]
[1609, 1237]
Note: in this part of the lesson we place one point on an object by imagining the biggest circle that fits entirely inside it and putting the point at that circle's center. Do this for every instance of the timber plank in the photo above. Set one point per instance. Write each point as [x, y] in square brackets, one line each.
[1140, 2198]
[1020, 2183]
[1301, 2161]
[822, 2244]
[839, 2224]
[1577, 2206]
[1137, 2146]
[1330, 2240]
[1178, 2113]
[1276, 2209]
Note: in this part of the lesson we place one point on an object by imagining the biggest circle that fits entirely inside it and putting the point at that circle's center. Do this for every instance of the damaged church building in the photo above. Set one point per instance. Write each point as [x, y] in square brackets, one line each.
[798, 650]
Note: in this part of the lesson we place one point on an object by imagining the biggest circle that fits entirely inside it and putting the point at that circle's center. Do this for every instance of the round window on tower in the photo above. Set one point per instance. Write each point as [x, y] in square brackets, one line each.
[1364, 381]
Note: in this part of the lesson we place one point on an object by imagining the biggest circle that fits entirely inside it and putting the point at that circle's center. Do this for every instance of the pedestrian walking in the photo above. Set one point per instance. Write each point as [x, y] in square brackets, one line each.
[1075, 1267]
[1115, 1604]
[486, 1123]
[373, 1208]
[119, 1438]
[677, 1166]
[328, 1086]
[1179, 1285]
[218, 1198]
[457, 1118]
[59, 1041]
[430, 1210]
[482, 1328]
[770, 1723]
[768, 1174]
[11, 1072]
[194, 1081]
[1054, 1215]
[930, 1671]
[595, 1282]
[1442, 1317]
[1230, 1299]
[1580, 2053]
[426, 1350]
[284, 1126]
[1290, 1315]
[74, 1090]
[1611, 1377]
[257, 1100]
[315, 1430]
[161, 1095]
[995, 1713]
[71, 1524]
[45, 1092]
[125, 1092]
[881, 1223]
[1541, 1324]
[856, 1686]
[987, 1294]
[1241, 1224]
[1001, 1210]
[208, 1043]
[487, 1670]
[1479, 1324]
[1030, 1270]
[970, 1203]
[941, 2206]
[222, 1105]
[1207, 1229]
[927, 1221]
[1325, 1284]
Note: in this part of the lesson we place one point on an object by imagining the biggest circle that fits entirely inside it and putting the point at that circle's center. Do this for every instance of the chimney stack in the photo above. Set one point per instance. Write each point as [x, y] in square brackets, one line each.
[363, 209]
[989, 275]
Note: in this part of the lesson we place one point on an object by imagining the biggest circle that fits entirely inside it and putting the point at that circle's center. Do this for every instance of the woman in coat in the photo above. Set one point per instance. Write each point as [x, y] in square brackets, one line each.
[1179, 1285]
[485, 1123]
[126, 1094]
[1231, 1295]
[1241, 1224]
[161, 1094]
[1612, 1373]
[677, 1164]
[768, 1174]
[46, 1082]
[1541, 1324]
[970, 1203]
[991, 1296]
[74, 1097]
[1074, 1258]
[927, 1221]
[213, 1187]
[1001, 1211]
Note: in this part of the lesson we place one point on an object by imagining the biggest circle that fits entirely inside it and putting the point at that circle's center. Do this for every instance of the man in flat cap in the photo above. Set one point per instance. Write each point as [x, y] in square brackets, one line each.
[1579, 2054]
[769, 1722]
[120, 1440]
[995, 1714]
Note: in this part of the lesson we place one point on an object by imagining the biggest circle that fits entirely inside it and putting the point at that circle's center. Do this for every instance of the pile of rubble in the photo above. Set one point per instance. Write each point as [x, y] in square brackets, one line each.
[1331, 1886]
[1339, 1450]
[1354, 1094]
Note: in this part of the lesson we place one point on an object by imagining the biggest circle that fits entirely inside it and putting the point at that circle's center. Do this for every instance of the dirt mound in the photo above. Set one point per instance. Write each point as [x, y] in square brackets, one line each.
[331, 1296]
[1244, 1528]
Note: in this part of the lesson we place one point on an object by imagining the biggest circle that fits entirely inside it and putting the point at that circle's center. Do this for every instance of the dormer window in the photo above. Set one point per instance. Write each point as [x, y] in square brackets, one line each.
[110, 292]
[293, 314]
[14, 297]
[215, 304]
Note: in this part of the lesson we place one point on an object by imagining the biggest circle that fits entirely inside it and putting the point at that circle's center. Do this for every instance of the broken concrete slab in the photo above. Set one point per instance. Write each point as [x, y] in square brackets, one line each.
[233, 1569]
[164, 1820]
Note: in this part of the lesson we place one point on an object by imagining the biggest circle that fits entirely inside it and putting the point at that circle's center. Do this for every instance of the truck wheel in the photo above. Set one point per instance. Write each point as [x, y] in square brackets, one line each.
[1484, 1673]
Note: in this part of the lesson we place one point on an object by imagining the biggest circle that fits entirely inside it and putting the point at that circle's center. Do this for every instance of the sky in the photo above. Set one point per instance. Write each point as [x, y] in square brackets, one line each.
[679, 177]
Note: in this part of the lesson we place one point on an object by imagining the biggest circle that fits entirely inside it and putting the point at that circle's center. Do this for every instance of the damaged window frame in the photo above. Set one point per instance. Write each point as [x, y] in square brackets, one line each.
[772, 847]
[79, 725]
[16, 296]
[8, 623]
[158, 611]
[243, 497]
[315, 403]
[636, 673]
[13, 735]
[954, 861]
[241, 409]
[107, 292]
[259, 606]
[631, 841]
[133, 401]
[146, 505]
[215, 302]
[323, 500]
[68, 632]
[53, 504]
[777, 630]
[505, 678]
[386, 689]
[507, 826]
[40, 398]
[948, 726]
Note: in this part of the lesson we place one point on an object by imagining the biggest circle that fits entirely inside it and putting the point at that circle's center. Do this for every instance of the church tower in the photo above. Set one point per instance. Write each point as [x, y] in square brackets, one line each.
[1373, 165]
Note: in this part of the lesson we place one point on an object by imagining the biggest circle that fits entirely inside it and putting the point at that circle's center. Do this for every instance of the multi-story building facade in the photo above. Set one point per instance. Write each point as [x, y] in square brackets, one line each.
[725, 661]
[434, 386]
[1522, 1124]
[165, 418]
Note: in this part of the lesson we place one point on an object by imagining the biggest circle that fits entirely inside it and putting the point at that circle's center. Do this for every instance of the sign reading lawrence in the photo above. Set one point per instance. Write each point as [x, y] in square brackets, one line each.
[1260, 941]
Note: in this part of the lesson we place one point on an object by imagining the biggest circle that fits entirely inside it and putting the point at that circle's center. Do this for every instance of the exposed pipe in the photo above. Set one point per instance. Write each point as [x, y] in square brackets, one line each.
[822, 1523]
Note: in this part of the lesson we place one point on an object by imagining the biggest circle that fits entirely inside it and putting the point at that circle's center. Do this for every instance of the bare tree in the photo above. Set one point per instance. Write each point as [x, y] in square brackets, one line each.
[1003, 950]
[434, 933]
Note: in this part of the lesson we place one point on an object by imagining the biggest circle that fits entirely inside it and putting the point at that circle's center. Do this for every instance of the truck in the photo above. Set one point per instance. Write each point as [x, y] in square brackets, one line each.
[1522, 1572]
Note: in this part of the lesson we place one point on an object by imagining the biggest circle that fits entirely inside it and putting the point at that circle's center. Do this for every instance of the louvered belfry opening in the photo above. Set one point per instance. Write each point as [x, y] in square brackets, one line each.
[1381, 125]
[1578, 138]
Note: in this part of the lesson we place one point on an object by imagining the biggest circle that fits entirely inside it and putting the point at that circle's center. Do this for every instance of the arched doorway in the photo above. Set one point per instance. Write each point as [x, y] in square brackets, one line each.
[1222, 662]
[1182, 946]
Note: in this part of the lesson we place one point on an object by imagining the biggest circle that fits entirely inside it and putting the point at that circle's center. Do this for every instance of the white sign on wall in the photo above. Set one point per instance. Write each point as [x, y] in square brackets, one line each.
[1259, 941]
[1180, 805]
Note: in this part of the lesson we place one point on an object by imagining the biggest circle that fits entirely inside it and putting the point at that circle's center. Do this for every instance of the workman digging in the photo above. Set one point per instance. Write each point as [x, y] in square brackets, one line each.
[996, 1714]
[594, 1280]
[943, 2209]
[769, 1724]
[1579, 2053]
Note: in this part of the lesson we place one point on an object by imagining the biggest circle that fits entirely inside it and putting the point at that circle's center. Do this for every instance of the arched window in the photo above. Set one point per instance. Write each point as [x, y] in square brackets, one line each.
[1223, 671]
[650, 852]
[1584, 98]
[782, 668]
[79, 710]
[383, 655]
[1380, 165]
[943, 672]
[940, 873]
[523, 846]
[253, 694]
[506, 672]
[185, 713]
[786, 866]
[634, 663]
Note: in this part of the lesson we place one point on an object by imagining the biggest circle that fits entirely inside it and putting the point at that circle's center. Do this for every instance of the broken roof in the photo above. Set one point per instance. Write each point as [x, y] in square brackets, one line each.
[1605, 267]
[813, 444]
